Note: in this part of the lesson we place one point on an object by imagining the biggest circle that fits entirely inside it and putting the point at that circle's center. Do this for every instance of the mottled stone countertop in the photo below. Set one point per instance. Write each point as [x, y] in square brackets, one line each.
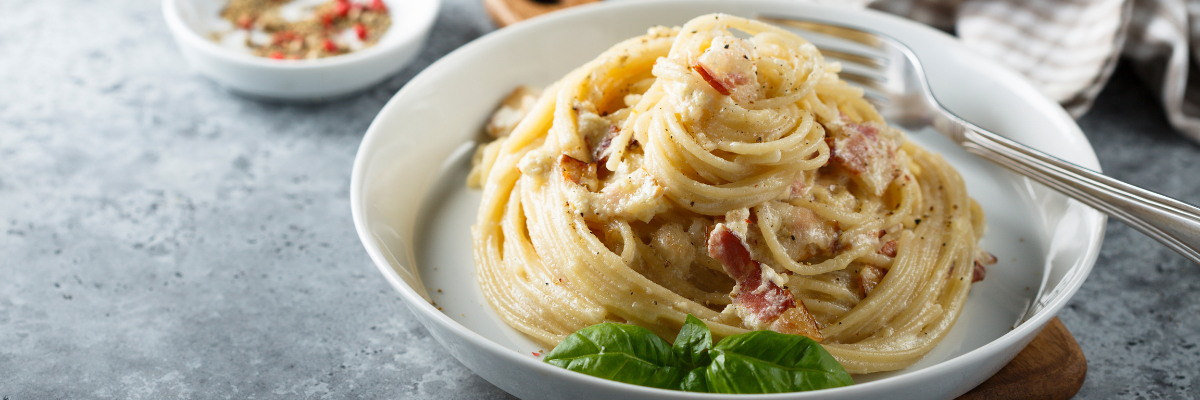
[162, 238]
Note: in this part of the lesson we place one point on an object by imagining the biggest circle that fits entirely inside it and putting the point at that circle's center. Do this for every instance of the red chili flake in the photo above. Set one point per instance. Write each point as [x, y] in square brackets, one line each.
[361, 31]
[716, 84]
[278, 55]
[245, 21]
[330, 46]
[378, 5]
[341, 7]
[536, 354]
[327, 19]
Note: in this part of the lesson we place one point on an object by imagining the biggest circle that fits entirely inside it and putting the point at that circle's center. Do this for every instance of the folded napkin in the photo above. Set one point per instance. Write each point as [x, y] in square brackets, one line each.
[1068, 48]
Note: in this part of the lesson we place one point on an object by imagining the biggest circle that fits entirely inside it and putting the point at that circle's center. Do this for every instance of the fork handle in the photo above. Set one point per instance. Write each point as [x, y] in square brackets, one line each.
[1172, 222]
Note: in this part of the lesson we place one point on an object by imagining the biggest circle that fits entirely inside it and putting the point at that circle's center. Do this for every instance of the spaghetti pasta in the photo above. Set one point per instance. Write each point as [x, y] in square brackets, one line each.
[721, 169]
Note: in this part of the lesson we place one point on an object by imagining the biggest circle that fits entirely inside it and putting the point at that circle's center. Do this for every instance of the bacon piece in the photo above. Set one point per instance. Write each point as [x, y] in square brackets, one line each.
[600, 149]
[798, 188]
[857, 149]
[762, 302]
[728, 66]
[862, 150]
[596, 131]
[798, 321]
[979, 273]
[577, 172]
[869, 277]
[982, 260]
[889, 248]
[727, 247]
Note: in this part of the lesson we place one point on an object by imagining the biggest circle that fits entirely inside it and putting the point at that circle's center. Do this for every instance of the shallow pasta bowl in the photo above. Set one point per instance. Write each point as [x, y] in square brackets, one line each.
[413, 212]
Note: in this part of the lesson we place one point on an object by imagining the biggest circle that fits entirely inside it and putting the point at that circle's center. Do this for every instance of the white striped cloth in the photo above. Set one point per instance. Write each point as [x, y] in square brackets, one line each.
[1068, 48]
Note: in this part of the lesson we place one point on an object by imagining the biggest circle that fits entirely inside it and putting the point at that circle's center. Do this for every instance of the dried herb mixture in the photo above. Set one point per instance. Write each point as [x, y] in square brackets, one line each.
[307, 29]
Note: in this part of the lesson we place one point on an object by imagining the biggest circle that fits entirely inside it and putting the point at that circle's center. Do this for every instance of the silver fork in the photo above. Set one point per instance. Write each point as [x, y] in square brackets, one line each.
[893, 78]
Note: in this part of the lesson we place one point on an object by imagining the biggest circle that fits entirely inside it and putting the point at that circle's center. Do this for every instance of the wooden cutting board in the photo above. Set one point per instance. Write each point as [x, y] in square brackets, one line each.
[508, 12]
[1051, 367]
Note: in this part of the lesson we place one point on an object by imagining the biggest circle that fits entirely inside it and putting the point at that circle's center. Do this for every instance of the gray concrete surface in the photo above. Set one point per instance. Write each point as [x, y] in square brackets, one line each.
[164, 239]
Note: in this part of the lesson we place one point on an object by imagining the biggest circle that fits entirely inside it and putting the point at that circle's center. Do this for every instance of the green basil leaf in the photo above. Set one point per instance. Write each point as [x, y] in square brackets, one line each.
[695, 381]
[692, 343]
[622, 353]
[770, 362]
[754, 362]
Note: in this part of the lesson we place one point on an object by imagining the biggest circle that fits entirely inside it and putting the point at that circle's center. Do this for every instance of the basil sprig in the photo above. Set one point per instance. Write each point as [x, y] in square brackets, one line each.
[754, 362]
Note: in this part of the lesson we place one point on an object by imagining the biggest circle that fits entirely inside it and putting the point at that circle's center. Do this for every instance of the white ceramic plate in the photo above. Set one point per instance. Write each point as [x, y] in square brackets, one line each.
[413, 212]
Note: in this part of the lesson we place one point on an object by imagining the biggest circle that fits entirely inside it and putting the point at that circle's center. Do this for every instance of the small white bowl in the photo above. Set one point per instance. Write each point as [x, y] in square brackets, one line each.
[191, 22]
